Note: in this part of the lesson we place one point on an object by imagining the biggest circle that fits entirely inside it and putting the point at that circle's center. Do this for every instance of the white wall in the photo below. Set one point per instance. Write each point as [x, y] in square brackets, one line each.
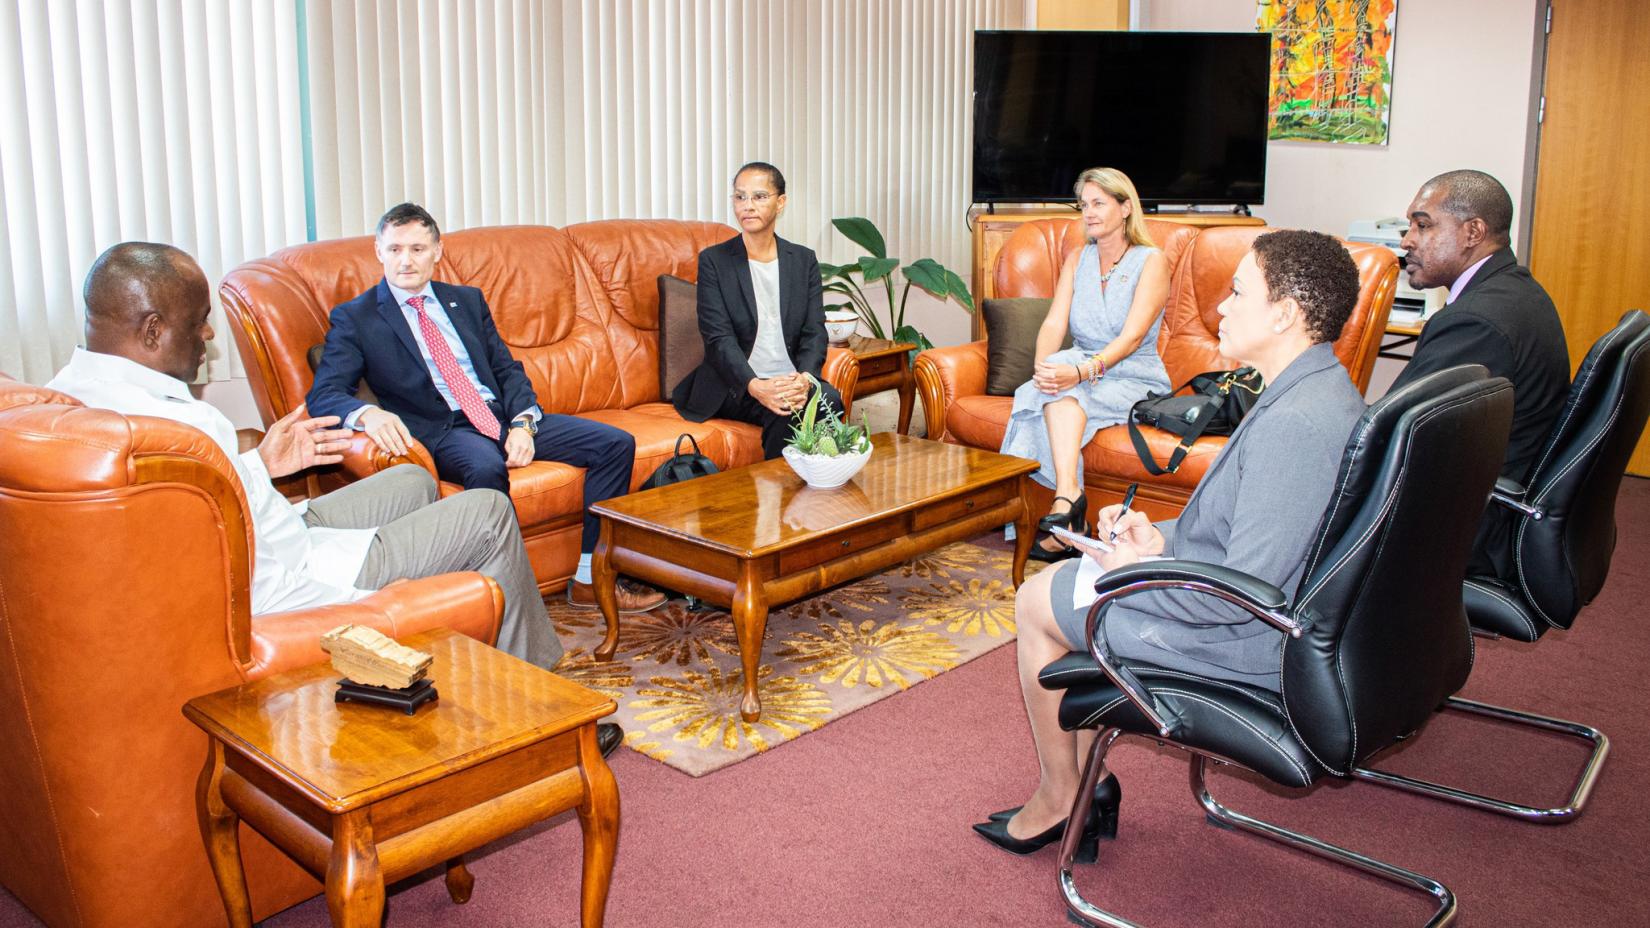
[1460, 99]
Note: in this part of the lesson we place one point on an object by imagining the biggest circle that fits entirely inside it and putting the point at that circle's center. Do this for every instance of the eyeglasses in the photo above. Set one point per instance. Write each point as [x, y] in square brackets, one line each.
[760, 198]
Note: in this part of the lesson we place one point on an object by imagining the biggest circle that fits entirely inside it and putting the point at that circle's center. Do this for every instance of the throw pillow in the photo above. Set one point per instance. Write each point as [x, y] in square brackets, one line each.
[681, 347]
[1011, 331]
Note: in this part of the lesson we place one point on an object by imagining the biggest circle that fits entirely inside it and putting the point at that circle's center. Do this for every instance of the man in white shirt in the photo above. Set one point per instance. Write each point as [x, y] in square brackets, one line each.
[146, 334]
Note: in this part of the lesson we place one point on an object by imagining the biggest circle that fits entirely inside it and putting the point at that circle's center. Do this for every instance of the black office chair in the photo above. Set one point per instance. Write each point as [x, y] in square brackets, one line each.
[1561, 535]
[1376, 637]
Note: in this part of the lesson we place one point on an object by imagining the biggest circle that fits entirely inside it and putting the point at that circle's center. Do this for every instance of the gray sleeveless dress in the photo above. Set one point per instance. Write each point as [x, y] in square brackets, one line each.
[1096, 319]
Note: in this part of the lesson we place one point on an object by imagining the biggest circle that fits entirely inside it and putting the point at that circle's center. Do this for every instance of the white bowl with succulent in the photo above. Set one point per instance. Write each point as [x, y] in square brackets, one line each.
[824, 450]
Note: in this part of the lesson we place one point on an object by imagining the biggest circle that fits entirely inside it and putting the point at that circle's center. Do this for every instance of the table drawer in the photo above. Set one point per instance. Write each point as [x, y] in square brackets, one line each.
[840, 544]
[980, 501]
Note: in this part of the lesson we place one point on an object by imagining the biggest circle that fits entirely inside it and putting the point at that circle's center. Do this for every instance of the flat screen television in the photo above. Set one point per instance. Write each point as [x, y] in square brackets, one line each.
[1182, 113]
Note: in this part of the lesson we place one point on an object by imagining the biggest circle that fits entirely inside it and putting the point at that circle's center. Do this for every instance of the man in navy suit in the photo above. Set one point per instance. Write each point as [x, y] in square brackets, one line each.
[432, 354]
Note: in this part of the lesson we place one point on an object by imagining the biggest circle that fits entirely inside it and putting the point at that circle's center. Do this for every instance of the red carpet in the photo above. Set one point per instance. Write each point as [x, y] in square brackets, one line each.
[865, 822]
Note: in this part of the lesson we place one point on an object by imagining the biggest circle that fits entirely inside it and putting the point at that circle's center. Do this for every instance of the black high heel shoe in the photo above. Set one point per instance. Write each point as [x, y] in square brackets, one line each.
[1108, 798]
[1075, 518]
[1102, 822]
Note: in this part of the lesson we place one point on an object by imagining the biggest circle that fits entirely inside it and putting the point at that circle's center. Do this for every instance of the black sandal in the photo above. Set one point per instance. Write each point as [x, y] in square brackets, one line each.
[1074, 518]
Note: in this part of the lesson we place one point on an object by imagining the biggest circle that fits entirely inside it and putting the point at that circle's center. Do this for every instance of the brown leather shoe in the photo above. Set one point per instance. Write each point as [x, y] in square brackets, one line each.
[632, 597]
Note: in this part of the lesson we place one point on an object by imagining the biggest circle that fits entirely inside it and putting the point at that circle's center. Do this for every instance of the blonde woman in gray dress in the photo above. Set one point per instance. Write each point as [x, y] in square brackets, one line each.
[1110, 298]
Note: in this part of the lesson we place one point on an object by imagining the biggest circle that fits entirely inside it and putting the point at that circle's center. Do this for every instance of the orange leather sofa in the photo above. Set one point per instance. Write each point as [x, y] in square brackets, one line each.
[124, 565]
[951, 381]
[578, 306]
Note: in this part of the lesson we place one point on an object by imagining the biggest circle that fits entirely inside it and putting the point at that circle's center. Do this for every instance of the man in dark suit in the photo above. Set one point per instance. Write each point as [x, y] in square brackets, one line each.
[762, 316]
[432, 354]
[1497, 316]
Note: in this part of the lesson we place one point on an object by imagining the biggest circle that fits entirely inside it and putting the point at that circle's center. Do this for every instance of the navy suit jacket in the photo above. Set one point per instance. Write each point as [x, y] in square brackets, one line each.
[727, 322]
[370, 340]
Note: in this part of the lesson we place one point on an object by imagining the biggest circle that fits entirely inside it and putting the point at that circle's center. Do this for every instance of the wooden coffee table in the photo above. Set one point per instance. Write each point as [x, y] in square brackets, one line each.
[754, 537]
[365, 795]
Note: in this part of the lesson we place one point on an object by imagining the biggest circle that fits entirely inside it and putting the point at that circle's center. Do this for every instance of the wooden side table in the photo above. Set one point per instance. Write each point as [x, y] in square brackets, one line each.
[884, 365]
[362, 796]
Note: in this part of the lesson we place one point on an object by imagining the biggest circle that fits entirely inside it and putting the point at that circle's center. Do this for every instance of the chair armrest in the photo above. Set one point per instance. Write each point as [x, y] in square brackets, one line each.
[468, 603]
[841, 370]
[247, 439]
[1510, 493]
[363, 458]
[1263, 600]
[943, 374]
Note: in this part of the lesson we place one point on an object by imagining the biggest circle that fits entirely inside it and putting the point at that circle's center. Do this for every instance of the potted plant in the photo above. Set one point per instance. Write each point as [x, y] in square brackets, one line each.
[926, 273]
[824, 450]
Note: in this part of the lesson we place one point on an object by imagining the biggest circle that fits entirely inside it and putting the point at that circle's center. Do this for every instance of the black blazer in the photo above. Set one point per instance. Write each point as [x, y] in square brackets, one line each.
[370, 339]
[727, 322]
[1505, 321]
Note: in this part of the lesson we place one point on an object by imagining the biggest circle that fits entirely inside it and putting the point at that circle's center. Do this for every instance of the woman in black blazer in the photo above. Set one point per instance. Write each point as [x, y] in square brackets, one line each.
[762, 316]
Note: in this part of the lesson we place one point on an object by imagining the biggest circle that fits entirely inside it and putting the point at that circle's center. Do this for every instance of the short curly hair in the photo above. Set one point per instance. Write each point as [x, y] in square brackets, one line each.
[1316, 270]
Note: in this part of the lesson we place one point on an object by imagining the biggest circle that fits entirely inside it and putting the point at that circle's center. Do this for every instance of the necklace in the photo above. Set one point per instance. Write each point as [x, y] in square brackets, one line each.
[1105, 276]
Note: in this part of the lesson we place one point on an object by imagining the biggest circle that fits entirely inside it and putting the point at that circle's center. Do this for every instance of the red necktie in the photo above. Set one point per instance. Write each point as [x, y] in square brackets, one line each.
[469, 398]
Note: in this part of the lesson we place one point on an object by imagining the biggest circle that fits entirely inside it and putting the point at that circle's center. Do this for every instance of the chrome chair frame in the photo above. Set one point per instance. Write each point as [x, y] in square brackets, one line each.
[1269, 608]
[1556, 815]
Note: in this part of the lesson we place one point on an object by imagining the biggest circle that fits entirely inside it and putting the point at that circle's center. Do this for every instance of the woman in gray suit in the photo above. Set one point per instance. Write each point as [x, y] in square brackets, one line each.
[1254, 511]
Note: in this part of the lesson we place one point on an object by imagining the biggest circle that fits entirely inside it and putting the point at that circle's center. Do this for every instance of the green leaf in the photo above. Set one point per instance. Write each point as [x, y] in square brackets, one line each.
[959, 290]
[862, 232]
[928, 275]
[877, 268]
[828, 271]
[910, 335]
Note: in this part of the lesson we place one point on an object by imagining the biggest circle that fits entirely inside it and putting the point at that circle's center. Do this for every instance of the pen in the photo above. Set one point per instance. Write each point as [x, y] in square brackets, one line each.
[1128, 500]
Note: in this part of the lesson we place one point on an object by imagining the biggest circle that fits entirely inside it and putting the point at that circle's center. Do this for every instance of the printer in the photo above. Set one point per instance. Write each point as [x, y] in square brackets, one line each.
[1409, 304]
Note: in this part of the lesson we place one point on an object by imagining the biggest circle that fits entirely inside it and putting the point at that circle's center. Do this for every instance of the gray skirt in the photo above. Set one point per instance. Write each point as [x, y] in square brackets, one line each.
[1073, 622]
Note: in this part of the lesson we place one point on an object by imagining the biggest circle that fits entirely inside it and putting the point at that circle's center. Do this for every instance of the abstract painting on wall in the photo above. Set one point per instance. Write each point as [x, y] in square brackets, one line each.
[1331, 68]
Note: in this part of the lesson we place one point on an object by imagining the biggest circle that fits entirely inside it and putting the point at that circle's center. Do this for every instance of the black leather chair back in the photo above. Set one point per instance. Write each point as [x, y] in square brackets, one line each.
[1388, 639]
[1563, 558]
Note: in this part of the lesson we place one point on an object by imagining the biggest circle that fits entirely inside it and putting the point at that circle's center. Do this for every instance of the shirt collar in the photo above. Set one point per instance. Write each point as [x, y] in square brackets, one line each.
[401, 296]
[101, 366]
[1466, 276]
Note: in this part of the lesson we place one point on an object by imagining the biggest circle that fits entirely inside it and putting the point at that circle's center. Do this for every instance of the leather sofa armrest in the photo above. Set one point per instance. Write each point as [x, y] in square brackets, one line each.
[363, 458]
[942, 375]
[841, 370]
[468, 603]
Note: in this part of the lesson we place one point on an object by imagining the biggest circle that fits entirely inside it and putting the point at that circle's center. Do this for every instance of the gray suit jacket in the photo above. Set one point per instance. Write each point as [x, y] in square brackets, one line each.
[1257, 510]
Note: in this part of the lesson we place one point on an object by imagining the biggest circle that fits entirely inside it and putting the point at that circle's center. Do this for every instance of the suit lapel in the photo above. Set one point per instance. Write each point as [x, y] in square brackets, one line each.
[1497, 263]
[742, 272]
[790, 303]
[390, 312]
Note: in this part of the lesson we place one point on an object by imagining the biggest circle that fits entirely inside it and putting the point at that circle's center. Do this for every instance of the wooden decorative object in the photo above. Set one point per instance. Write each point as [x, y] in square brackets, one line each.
[368, 656]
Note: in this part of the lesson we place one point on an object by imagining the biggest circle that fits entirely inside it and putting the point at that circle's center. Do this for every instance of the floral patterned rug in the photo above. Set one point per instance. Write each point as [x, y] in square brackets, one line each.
[676, 674]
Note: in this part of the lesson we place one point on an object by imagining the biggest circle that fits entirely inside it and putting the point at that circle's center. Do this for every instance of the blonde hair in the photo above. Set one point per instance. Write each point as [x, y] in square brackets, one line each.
[1117, 185]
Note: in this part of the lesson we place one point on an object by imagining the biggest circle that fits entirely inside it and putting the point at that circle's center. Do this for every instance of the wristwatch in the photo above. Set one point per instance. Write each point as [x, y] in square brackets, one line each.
[526, 422]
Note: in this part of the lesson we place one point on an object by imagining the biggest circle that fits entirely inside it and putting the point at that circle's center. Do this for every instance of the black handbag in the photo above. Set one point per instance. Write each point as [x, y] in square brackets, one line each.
[681, 466]
[1216, 404]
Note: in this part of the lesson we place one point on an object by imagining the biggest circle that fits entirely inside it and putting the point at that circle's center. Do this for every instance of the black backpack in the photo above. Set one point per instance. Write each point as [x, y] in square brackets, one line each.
[681, 466]
[1216, 404]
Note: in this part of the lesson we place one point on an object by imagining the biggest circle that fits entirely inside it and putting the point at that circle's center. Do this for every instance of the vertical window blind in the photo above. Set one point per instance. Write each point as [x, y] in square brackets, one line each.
[162, 120]
[180, 121]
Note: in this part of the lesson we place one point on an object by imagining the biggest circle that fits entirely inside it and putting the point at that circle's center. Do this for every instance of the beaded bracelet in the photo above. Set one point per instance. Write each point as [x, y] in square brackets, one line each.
[1101, 371]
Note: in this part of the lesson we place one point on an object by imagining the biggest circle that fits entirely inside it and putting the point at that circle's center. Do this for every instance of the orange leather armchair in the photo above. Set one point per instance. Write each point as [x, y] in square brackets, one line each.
[579, 307]
[124, 566]
[951, 381]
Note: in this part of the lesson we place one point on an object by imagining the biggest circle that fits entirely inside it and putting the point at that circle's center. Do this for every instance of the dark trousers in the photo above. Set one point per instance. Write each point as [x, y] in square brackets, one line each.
[776, 429]
[471, 459]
